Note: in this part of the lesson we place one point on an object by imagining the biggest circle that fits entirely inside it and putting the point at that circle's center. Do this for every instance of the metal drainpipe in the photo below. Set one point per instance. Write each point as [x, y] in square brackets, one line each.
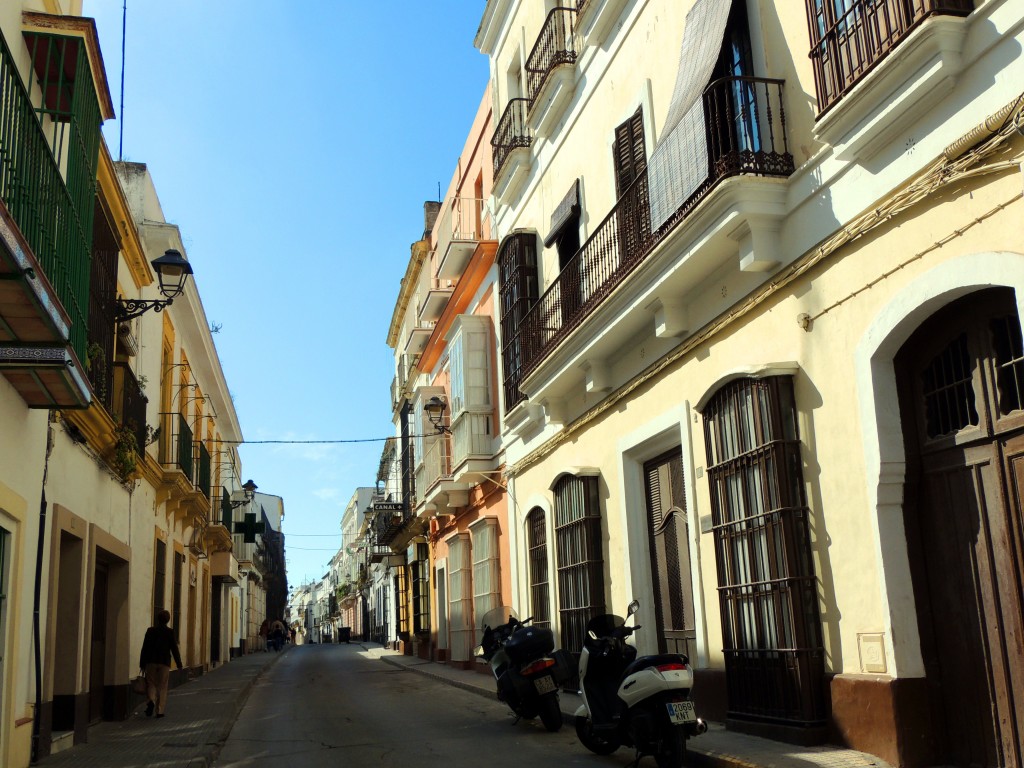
[37, 597]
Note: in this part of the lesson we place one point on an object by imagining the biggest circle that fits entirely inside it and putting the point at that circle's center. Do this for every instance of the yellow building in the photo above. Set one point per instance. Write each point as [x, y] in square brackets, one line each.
[112, 415]
[763, 370]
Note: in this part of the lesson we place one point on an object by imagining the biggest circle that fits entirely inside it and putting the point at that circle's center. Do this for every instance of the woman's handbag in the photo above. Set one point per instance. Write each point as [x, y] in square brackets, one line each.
[139, 685]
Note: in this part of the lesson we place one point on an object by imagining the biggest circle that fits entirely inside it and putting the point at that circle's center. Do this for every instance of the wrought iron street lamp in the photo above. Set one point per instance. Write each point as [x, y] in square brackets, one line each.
[435, 408]
[172, 270]
[248, 491]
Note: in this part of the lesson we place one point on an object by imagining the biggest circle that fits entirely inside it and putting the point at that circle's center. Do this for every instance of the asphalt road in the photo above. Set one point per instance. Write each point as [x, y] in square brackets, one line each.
[332, 705]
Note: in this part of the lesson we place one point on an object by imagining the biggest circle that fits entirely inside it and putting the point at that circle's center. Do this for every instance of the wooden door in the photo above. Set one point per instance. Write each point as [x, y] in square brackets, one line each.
[98, 646]
[669, 539]
[961, 382]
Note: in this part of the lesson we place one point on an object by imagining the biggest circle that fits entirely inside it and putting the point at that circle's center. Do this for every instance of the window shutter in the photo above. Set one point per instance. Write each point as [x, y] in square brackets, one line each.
[629, 151]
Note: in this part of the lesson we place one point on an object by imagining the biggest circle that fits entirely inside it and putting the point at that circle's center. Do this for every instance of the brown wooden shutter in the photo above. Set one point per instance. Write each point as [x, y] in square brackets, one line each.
[630, 154]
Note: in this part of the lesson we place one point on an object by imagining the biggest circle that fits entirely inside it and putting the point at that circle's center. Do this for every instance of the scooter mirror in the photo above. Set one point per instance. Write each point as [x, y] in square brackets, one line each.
[478, 651]
[633, 608]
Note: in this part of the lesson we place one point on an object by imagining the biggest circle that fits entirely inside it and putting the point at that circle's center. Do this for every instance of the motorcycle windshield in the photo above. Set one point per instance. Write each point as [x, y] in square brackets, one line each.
[605, 625]
[496, 617]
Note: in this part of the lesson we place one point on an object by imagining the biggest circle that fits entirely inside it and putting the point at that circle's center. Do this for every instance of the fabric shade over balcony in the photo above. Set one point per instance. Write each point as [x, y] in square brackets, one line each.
[680, 163]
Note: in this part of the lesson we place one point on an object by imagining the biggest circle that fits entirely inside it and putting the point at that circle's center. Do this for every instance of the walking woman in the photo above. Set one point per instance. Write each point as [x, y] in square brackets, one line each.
[155, 661]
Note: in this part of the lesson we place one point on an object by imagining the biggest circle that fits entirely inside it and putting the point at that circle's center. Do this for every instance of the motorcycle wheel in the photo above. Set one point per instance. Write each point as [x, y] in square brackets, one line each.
[673, 749]
[550, 712]
[599, 744]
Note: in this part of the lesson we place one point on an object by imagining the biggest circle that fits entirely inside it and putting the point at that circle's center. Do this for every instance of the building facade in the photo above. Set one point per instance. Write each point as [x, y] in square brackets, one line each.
[117, 431]
[760, 328]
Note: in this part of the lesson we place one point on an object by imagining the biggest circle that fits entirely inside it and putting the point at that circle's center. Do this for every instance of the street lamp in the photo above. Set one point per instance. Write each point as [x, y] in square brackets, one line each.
[248, 492]
[172, 270]
[435, 408]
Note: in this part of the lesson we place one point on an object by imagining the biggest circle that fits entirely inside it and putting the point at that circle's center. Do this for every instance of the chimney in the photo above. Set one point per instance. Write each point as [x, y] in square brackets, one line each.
[430, 211]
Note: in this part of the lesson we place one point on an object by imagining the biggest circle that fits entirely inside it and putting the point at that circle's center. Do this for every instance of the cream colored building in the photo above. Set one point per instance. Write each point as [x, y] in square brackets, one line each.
[116, 428]
[764, 370]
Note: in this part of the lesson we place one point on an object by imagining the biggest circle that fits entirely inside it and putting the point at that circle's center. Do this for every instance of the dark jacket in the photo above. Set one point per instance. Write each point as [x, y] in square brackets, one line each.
[158, 647]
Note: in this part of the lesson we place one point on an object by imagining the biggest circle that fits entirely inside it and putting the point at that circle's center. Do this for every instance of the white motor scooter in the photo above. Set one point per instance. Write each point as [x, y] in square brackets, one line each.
[639, 702]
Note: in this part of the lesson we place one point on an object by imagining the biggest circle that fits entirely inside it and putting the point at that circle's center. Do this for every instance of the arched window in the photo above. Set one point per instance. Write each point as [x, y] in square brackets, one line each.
[540, 591]
[771, 629]
[580, 559]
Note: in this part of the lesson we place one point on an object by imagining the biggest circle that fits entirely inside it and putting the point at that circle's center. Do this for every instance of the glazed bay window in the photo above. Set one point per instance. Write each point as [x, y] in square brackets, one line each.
[486, 571]
[431, 449]
[771, 629]
[518, 288]
[469, 362]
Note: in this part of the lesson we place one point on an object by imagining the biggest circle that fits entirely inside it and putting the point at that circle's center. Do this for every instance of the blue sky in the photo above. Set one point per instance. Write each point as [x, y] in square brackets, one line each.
[294, 145]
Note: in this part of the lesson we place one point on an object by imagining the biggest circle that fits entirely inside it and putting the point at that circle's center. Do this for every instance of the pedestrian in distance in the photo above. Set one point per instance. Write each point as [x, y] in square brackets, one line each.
[155, 660]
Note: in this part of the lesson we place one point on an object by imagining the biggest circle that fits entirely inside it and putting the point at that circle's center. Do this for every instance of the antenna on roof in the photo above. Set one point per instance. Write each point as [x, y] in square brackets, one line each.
[124, 27]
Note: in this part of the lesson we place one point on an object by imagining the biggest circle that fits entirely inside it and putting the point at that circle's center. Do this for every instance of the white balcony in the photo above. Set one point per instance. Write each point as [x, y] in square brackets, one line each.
[433, 304]
[416, 342]
[463, 225]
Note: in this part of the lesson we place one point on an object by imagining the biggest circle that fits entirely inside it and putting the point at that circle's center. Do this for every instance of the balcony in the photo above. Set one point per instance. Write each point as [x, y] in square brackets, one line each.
[176, 447]
[472, 444]
[594, 19]
[205, 470]
[510, 148]
[853, 43]
[46, 220]
[867, 97]
[433, 304]
[461, 229]
[550, 69]
[128, 405]
[416, 342]
[749, 141]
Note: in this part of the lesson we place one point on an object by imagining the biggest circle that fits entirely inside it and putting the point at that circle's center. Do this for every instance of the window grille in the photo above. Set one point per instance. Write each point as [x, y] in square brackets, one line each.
[179, 565]
[159, 577]
[580, 560]
[421, 593]
[1009, 362]
[947, 386]
[486, 574]
[767, 591]
[460, 597]
[540, 590]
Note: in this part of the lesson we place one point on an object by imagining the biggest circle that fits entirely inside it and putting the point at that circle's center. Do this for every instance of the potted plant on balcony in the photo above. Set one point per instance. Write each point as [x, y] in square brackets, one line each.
[125, 450]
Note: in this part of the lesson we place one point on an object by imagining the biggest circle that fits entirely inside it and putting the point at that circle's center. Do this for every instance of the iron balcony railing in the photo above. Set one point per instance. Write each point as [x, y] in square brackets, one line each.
[555, 46]
[205, 469]
[177, 446]
[128, 404]
[847, 44]
[746, 129]
[511, 133]
[53, 213]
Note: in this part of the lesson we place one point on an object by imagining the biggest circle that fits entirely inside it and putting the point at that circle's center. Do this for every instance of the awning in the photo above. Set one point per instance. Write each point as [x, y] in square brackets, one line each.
[564, 212]
[680, 163]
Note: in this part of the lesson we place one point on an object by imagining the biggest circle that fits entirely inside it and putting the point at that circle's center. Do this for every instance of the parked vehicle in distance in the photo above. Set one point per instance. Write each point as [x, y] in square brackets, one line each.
[527, 670]
[638, 702]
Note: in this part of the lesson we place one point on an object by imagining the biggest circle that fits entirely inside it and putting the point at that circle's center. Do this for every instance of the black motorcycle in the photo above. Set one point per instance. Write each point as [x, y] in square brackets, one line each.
[526, 670]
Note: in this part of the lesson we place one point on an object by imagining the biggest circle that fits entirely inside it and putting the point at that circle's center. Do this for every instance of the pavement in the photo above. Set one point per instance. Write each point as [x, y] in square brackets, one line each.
[201, 713]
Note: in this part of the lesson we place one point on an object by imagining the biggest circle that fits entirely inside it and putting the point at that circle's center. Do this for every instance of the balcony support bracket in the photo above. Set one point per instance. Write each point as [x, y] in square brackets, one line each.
[758, 240]
[671, 318]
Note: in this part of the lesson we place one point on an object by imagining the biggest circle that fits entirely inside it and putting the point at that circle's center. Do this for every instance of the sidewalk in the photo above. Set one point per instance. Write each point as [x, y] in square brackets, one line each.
[199, 718]
[718, 748]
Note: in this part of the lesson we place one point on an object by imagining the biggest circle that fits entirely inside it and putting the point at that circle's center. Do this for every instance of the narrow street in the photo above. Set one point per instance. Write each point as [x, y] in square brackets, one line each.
[333, 705]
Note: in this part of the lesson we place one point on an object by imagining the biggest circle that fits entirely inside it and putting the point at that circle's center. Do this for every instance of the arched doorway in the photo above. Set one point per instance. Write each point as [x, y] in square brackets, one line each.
[960, 378]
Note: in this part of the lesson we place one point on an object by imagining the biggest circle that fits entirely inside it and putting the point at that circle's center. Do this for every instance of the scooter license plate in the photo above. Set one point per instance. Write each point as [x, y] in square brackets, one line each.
[544, 684]
[681, 712]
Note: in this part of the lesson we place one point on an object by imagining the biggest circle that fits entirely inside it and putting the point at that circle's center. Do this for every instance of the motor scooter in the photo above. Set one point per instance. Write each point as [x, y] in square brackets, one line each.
[639, 702]
[526, 672]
